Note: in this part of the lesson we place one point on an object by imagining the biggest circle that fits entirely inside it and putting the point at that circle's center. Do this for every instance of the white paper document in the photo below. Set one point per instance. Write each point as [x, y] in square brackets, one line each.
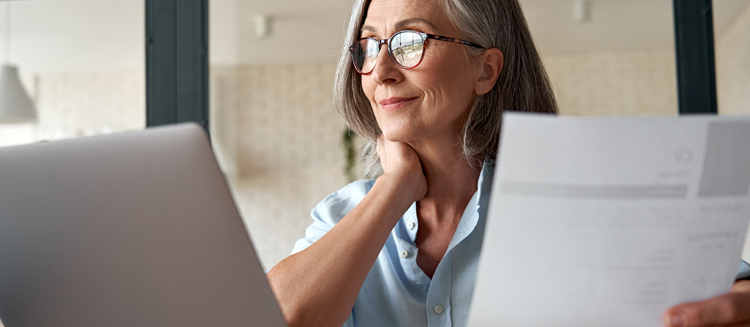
[610, 221]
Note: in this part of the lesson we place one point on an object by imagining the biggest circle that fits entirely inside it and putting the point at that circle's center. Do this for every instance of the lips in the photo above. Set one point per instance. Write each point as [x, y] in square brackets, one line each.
[395, 102]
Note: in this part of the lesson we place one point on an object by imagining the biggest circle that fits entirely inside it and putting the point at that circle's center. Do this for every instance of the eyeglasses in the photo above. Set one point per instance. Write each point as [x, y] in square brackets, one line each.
[406, 49]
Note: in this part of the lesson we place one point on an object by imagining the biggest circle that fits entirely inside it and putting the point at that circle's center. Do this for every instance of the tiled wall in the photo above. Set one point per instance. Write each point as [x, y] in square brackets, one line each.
[89, 103]
[73, 104]
[279, 124]
[733, 67]
[614, 84]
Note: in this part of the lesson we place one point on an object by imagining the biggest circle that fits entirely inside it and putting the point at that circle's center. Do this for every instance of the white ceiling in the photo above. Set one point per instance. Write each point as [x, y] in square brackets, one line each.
[58, 35]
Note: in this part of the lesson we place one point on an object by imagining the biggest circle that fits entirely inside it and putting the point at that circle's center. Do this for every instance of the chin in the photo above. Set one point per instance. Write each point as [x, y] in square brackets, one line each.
[396, 137]
[400, 134]
[400, 130]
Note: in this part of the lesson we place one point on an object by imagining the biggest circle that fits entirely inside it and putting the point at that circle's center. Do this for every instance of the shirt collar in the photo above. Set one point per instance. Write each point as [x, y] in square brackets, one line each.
[471, 213]
[466, 225]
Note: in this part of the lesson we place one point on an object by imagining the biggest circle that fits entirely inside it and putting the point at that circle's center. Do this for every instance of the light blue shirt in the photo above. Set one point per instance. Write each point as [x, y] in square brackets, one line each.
[396, 292]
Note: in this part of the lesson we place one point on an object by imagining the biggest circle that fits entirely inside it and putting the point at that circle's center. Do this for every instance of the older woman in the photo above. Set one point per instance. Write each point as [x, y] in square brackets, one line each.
[425, 83]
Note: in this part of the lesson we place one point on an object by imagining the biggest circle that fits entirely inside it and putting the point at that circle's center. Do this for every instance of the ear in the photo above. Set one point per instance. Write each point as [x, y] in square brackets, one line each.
[492, 65]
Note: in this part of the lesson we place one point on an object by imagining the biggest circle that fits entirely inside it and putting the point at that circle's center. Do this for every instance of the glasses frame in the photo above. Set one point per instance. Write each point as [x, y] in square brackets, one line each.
[425, 37]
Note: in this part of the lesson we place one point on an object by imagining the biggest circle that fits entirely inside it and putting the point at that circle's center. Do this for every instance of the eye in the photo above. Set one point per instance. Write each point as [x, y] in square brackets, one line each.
[369, 36]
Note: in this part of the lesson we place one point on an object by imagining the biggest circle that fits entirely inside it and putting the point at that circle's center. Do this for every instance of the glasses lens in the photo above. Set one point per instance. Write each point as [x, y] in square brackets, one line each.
[406, 49]
[365, 54]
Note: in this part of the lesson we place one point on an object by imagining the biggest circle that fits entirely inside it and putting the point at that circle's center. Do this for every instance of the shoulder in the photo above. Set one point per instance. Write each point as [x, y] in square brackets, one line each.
[338, 204]
[331, 210]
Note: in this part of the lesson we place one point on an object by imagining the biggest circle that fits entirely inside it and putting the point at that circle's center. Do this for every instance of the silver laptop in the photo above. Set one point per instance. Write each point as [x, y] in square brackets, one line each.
[135, 229]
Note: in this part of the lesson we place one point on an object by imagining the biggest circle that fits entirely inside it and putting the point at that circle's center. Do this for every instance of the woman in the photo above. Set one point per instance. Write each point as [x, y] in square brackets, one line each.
[428, 84]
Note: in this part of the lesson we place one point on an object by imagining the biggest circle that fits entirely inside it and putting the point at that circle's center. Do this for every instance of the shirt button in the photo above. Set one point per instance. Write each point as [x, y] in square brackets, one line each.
[410, 225]
[438, 309]
[404, 253]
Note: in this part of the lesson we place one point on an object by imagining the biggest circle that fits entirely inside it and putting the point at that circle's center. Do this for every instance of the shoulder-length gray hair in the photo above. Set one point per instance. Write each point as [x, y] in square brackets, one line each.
[523, 84]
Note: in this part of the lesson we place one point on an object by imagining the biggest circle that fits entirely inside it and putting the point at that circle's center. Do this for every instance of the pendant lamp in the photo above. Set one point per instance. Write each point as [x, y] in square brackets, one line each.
[15, 104]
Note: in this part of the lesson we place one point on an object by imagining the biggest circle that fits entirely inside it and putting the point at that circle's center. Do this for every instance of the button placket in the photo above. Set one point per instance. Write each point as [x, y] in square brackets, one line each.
[438, 309]
[408, 262]
[409, 222]
[439, 298]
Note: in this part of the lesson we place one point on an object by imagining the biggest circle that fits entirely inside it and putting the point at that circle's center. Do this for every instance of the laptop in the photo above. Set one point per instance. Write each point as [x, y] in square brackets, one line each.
[133, 229]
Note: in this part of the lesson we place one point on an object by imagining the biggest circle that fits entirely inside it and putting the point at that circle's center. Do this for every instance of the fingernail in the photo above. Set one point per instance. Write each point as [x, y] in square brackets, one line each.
[675, 320]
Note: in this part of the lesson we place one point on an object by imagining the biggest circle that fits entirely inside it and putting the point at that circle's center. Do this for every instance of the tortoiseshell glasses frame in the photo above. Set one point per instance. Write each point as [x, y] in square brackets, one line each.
[406, 49]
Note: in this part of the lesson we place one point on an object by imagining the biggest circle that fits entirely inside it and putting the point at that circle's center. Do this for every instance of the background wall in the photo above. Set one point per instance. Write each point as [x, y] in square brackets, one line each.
[72, 104]
[733, 67]
[281, 139]
[614, 83]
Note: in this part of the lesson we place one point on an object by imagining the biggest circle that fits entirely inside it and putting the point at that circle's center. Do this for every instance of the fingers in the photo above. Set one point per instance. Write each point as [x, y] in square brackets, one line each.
[729, 309]
[741, 286]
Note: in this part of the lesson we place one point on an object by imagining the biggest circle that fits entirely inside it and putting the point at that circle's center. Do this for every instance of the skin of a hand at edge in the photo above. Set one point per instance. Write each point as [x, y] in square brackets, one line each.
[728, 309]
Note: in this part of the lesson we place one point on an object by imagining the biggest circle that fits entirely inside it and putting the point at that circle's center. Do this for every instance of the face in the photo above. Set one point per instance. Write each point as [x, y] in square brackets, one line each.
[427, 102]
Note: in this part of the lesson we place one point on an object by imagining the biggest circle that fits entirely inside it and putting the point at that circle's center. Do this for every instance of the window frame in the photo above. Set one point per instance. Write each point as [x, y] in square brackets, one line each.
[177, 72]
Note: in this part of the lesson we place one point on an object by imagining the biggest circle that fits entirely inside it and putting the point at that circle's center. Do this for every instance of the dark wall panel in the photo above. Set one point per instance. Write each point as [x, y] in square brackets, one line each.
[176, 62]
[694, 49]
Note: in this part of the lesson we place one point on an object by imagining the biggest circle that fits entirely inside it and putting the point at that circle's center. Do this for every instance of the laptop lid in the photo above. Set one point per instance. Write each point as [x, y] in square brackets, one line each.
[133, 229]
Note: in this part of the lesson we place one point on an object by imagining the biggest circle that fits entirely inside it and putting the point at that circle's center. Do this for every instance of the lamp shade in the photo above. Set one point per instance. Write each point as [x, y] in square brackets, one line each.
[15, 104]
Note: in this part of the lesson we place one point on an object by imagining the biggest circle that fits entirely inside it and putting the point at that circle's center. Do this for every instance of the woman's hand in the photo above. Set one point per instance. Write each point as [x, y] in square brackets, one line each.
[400, 161]
[319, 286]
[730, 309]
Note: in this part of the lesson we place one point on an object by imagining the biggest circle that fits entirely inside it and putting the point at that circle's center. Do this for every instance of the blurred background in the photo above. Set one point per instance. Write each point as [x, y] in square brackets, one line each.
[276, 133]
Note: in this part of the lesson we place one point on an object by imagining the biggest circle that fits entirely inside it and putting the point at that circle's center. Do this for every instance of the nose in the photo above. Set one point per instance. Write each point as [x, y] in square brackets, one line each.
[385, 70]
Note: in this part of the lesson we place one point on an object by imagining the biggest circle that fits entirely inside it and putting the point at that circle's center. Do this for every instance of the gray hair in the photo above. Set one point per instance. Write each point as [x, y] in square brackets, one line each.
[523, 84]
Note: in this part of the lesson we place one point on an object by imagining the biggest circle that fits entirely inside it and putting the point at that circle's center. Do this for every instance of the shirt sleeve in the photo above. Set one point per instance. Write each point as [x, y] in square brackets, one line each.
[744, 271]
[331, 210]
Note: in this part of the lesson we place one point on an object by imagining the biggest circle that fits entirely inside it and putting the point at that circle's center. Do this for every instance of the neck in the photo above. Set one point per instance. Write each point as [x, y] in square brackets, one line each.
[451, 178]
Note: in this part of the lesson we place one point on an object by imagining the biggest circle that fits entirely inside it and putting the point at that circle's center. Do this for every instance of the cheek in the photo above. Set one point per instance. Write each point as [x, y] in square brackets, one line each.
[368, 87]
[449, 83]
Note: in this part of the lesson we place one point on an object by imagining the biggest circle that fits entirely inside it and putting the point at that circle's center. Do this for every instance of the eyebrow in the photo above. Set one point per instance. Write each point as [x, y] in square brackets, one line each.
[400, 24]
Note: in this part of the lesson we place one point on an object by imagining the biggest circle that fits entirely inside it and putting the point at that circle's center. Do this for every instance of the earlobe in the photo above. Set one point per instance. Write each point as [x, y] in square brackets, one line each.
[492, 65]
